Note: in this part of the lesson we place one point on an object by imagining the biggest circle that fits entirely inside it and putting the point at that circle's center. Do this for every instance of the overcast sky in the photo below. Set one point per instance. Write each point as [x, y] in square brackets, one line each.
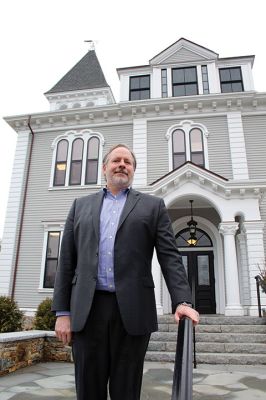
[41, 40]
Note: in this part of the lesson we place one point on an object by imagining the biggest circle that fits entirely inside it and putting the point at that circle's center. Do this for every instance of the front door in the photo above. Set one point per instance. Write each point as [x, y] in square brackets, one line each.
[200, 271]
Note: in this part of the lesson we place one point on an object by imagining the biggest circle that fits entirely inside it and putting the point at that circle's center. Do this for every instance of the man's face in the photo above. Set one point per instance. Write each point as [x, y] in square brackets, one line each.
[119, 169]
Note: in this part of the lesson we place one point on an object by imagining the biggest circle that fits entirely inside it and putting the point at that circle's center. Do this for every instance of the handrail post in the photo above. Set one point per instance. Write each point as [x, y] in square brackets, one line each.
[257, 278]
[183, 375]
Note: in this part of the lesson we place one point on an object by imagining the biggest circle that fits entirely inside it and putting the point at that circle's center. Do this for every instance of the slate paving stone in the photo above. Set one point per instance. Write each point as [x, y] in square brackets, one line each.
[56, 382]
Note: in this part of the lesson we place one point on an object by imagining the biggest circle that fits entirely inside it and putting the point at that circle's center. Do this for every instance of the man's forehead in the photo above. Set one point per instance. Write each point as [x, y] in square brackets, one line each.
[121, 152]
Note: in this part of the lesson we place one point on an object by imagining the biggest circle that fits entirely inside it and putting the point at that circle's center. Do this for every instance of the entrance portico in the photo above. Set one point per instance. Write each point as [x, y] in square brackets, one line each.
[231, 218]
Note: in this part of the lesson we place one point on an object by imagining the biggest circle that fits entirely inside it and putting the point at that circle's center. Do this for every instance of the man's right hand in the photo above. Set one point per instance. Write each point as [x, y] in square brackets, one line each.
[63, 329]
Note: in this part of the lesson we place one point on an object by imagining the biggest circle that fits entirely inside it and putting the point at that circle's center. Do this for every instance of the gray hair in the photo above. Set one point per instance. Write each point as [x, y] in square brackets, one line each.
[106, 157]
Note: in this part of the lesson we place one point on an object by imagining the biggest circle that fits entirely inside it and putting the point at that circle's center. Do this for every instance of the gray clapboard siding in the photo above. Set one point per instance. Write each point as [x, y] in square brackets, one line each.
[44, 205]
[255, 138]
[183, 55]
[218, 146]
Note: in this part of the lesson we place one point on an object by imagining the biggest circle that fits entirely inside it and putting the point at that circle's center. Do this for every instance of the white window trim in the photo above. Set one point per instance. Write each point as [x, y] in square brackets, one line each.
[49, 227]
[70, 136]
[186, 126]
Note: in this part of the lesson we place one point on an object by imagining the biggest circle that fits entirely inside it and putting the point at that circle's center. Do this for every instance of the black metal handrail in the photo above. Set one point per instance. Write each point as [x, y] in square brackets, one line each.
[183, 375]
[257, 277]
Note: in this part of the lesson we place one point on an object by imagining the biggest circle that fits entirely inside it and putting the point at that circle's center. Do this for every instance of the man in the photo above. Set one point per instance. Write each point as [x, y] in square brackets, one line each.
[104, 290]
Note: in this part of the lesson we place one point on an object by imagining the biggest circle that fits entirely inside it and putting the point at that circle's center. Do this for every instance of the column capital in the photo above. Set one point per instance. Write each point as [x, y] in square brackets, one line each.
[252, 226]
[228, 228]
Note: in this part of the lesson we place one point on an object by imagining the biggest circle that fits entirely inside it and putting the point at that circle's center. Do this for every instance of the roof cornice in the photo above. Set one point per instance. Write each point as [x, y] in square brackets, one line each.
[161, 108]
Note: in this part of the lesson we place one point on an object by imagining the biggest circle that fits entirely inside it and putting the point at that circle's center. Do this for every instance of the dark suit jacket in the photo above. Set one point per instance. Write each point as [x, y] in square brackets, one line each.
[144, 225]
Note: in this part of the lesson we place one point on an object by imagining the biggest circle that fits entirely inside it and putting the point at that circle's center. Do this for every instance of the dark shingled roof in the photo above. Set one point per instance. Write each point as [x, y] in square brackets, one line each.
[86, 74]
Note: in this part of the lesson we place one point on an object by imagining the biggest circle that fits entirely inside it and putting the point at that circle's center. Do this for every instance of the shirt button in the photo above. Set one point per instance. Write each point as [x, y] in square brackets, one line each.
[110, 237]
[110, 269]
[110, 286]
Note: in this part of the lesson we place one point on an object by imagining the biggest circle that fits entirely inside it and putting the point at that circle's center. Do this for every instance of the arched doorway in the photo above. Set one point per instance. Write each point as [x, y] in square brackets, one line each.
[198, 262]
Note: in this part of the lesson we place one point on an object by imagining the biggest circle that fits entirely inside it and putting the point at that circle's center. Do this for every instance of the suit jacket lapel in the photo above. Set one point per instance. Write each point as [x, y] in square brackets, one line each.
[96, 209]
[132, 199]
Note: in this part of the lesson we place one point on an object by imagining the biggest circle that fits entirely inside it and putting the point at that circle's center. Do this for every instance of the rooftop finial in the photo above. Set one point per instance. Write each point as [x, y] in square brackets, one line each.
[91, 44]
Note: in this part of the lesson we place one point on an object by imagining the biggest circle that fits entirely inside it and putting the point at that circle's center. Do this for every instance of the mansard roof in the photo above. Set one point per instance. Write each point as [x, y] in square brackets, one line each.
[86, 74]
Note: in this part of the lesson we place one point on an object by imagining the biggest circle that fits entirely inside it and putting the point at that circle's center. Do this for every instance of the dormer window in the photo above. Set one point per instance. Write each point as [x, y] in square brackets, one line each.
[231, 80]
[184, 81]
[139, 87]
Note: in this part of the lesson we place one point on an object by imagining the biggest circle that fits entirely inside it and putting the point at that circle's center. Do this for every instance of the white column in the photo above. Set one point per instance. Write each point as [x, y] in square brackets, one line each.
[255, 257]
[156, 273]
[233, 305]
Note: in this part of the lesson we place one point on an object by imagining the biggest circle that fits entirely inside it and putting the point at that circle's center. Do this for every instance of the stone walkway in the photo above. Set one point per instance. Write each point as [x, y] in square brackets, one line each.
[55, 381]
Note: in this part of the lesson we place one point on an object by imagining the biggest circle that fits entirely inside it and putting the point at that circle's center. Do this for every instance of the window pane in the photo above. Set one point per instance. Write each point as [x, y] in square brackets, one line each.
[49, 275]
[235, 74]
[203, 270]
[206, 85]
[191, 89]
[134, 95]
[237, 87]
[145, 82]
[134, 82]
[164, 73]
[226, 87]
[91, 171]
[144, 94]
[198, 159]
[190, 75]
[184, 260]
[77, 149]
[178, 141]
[178, 75]
[178, 160]
[62, 150]
[53, 244]
[60, 174]
[225, 75]
[196, 140]
[75, 173]
[179, 90]
[93, 148]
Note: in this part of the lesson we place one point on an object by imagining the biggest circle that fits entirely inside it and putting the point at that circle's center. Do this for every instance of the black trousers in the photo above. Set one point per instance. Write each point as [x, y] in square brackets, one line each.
[106, 355]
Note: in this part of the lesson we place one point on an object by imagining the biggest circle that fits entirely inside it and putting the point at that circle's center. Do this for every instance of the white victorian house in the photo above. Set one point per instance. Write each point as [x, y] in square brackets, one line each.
[198, 129]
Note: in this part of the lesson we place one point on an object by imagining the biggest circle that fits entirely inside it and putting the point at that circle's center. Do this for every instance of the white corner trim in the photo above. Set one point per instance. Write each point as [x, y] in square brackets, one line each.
[237, 145]
[140, 150]
[13, 212]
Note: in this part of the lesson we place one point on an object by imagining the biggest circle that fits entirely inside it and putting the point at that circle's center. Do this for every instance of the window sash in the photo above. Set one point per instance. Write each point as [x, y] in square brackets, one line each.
[231, 80]
[184, 81]
[139, 87]
[51, 260]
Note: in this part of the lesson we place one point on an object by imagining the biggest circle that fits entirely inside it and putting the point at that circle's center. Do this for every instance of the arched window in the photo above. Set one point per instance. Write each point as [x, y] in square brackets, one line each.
[196, 147]
[61, 163]
[179, 148]
[76, 162]
[92, 161]
[203, 240]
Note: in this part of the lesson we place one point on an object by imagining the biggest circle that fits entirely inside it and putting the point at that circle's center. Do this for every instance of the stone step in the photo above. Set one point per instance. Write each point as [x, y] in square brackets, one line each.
[213, 337]
[249, 348]
[217, 320]
[217, 328]
[211, 358]
[231, 337]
